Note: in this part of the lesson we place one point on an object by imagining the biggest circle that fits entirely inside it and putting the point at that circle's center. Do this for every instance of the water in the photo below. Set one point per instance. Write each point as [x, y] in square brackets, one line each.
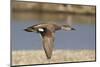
[82, 38]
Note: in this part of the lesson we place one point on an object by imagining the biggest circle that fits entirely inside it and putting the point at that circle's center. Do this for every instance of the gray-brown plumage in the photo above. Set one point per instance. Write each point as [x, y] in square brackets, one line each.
[47, 31]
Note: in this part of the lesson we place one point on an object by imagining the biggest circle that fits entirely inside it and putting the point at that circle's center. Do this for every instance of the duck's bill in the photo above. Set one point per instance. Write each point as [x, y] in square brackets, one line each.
[73, 29]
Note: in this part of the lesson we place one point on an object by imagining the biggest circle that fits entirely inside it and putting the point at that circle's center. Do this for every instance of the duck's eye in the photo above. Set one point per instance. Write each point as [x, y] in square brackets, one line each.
[41, 29]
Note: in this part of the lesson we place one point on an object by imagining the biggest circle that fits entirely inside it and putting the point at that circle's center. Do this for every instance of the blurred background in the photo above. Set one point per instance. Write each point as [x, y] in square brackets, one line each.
[81, 17]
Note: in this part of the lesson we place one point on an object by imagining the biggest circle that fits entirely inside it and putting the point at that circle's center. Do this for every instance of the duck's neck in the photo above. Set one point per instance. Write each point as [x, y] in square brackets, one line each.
[65, 28]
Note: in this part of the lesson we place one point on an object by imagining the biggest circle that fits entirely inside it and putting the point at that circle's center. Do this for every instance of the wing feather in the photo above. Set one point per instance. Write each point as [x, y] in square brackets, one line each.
[48, 43]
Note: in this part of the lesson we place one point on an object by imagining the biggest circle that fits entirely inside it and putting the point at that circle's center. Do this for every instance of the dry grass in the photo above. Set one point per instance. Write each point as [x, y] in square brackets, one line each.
[38, 56]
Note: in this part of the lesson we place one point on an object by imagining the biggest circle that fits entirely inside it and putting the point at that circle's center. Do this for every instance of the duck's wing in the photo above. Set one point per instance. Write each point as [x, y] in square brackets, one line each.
[39, 25]
[48, 43]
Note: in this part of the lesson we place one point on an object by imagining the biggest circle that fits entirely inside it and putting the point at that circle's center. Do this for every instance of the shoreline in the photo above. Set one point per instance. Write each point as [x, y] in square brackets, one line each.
[58, 56]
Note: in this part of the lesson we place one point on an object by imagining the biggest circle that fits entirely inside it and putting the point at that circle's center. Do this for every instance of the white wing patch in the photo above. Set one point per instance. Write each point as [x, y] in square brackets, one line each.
[41, 29]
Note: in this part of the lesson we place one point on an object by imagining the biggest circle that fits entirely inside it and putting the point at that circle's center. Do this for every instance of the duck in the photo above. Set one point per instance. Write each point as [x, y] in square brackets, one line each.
[47, 32]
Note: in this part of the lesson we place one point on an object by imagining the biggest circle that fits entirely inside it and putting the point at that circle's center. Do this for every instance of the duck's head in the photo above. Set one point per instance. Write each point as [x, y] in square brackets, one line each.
[67, 27]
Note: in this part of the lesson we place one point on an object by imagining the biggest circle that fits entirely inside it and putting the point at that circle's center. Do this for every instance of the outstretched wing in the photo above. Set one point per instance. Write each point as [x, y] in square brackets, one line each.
[48, 43]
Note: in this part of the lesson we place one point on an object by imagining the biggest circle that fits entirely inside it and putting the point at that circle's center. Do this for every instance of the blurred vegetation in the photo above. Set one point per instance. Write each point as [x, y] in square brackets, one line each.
[18, 6]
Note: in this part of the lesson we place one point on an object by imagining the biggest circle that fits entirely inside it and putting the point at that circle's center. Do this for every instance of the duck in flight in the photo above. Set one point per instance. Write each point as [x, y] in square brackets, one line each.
[47, 31]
